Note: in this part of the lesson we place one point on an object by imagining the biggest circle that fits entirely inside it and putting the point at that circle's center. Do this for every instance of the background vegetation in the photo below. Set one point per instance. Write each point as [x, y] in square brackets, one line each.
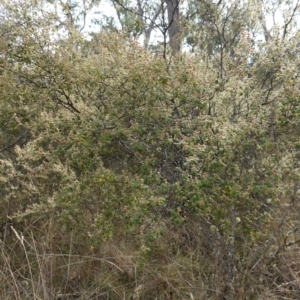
[139, 170]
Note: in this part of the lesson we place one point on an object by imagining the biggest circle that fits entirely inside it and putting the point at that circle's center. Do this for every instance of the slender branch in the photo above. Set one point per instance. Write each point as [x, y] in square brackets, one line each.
[290, 20]
[15, 142]
[139, 15]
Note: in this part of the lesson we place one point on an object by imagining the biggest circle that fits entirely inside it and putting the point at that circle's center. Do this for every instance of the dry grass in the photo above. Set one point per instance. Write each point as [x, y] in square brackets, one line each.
[188, 261]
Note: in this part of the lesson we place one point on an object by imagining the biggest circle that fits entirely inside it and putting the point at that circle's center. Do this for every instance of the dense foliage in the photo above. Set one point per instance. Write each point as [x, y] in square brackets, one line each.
[142, 175]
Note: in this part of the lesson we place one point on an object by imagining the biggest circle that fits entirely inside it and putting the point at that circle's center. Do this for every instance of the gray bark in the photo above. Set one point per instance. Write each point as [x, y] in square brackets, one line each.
[174, 24]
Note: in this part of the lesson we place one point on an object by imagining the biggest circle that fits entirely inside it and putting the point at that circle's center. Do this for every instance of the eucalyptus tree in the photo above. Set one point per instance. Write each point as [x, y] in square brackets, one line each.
[143, 18]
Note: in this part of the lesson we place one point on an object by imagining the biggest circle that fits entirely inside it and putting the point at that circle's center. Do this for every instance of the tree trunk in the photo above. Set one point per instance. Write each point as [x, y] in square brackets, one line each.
[174, 24]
